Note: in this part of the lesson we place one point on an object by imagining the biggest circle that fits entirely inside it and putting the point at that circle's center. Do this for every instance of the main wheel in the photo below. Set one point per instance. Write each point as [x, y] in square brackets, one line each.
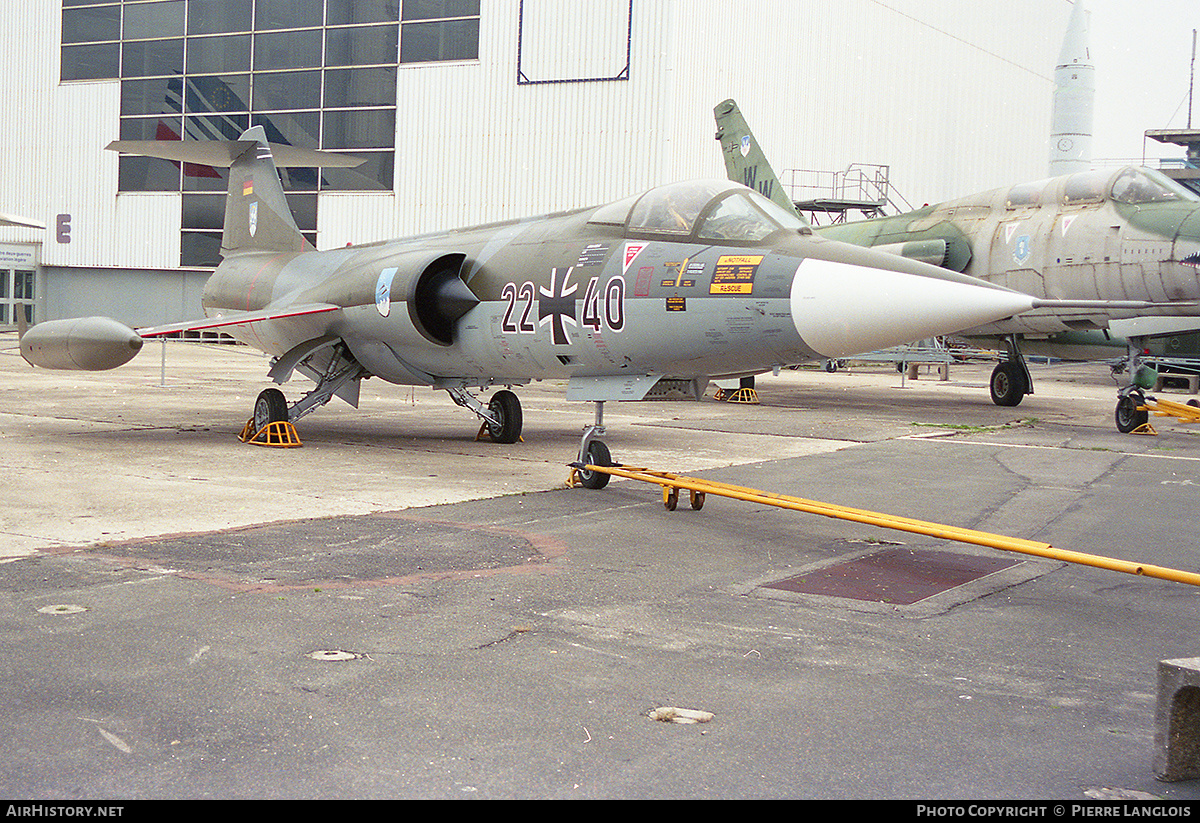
[270, 407]
[1128, 417]
[1008, 384]
[596, 455]
[506, 408]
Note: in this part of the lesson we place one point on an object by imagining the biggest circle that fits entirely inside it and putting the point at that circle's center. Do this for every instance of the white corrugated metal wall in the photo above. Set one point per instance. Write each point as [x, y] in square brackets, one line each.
[954, 97]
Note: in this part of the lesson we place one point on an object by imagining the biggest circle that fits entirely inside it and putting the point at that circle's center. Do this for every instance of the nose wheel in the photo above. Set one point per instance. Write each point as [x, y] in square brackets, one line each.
[594, 454]
[1010, 380]
[1131, 413]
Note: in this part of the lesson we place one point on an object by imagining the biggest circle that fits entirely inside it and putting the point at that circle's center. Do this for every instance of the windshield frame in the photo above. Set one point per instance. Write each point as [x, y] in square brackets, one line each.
[1177, 192]
[650, 214]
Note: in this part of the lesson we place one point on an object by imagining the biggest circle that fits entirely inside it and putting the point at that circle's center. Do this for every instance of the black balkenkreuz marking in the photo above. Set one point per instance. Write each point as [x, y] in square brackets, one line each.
[556, 305]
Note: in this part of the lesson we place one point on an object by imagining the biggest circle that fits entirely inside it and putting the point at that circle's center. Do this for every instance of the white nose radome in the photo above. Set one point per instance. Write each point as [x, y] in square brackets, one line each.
[841, 309]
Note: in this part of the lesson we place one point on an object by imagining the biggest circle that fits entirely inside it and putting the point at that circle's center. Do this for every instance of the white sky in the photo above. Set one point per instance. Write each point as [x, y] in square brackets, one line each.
[1142, 50]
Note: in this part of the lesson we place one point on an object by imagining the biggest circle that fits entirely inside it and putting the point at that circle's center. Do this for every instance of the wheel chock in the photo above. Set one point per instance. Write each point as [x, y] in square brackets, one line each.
[280, 435]
[749, 396]
[1145, 428]
[483, 430]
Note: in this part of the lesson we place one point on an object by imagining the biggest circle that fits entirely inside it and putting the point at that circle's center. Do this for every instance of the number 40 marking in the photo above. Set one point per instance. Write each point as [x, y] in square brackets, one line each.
[605, 306]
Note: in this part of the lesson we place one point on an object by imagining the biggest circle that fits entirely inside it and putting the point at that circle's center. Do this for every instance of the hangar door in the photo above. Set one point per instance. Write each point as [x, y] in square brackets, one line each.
[18, 283]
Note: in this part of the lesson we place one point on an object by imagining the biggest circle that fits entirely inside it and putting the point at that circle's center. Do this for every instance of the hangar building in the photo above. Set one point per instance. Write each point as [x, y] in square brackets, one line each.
[471, 111]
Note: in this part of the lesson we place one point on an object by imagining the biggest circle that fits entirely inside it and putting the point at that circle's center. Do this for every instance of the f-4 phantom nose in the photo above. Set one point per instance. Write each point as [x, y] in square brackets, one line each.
[841, 309]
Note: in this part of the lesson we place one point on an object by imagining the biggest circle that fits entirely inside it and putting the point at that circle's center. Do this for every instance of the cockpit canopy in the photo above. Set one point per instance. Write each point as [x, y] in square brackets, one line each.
[1134, 186]
[716, 210]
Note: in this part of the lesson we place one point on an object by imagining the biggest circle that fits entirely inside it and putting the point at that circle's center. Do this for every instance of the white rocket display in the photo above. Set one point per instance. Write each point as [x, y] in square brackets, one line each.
[1074, 99]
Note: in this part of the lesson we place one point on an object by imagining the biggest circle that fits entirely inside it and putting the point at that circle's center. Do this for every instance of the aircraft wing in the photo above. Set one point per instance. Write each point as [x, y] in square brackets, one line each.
[236, 319]
[99, 343]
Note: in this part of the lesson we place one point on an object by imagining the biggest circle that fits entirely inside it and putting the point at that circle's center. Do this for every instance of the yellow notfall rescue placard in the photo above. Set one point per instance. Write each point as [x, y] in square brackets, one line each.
[734, 274]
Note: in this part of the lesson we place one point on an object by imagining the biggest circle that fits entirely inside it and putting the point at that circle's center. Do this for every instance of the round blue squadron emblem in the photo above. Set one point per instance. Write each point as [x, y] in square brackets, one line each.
[745, 147]
[383, 292]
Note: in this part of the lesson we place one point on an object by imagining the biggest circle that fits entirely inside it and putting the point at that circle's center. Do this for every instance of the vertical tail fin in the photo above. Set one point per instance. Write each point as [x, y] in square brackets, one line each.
[745, 162]
[257, 217]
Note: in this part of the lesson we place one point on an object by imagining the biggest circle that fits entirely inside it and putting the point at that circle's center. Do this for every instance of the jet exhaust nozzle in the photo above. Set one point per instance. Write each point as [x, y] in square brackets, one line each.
[80, 344]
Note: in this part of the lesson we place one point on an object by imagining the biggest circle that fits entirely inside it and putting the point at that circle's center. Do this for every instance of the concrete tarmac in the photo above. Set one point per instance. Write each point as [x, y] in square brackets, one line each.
[397, 610]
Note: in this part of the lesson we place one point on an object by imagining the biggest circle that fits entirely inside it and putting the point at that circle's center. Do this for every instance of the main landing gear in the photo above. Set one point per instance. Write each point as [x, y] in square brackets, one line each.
[1011, 380]
[329, 363]
[502, 420]
[269, 426]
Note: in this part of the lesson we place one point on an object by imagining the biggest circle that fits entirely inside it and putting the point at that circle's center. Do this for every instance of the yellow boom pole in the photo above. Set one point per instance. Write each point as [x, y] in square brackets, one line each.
[672, 483]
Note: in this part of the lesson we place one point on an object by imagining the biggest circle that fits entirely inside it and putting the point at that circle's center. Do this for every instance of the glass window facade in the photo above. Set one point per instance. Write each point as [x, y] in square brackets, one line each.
[315, 73]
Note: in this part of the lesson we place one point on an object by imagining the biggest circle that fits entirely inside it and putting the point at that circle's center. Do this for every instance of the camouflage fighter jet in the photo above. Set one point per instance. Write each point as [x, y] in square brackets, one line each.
[668, 288]
[1106, 247]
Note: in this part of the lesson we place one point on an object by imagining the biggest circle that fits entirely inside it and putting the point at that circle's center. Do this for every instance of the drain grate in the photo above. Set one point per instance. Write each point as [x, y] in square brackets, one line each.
[896, 576]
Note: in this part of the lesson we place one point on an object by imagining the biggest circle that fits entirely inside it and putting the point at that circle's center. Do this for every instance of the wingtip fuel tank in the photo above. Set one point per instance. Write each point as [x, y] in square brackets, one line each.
[81, 344]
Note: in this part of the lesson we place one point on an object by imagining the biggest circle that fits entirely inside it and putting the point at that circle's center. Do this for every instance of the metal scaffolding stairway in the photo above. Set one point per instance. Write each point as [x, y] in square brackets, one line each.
[827, 197]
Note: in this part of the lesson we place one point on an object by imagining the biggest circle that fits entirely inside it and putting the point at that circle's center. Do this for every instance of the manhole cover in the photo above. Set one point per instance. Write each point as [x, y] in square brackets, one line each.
[896, 576]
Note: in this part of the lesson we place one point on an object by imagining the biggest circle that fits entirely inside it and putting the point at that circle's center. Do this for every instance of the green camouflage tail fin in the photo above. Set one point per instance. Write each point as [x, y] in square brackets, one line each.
[745, 162]
[257, 217]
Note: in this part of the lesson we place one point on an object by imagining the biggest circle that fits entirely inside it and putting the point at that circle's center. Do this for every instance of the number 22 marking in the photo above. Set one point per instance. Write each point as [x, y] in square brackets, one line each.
[512, 294]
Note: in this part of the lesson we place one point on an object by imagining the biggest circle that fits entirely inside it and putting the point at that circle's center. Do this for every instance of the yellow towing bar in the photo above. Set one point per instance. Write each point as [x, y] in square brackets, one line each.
[1188, 412]
[699, 488]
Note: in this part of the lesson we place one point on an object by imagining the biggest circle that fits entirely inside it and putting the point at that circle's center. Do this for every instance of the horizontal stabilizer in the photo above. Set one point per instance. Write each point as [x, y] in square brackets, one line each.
[223, 153]
[237, 319]
[15, 220]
